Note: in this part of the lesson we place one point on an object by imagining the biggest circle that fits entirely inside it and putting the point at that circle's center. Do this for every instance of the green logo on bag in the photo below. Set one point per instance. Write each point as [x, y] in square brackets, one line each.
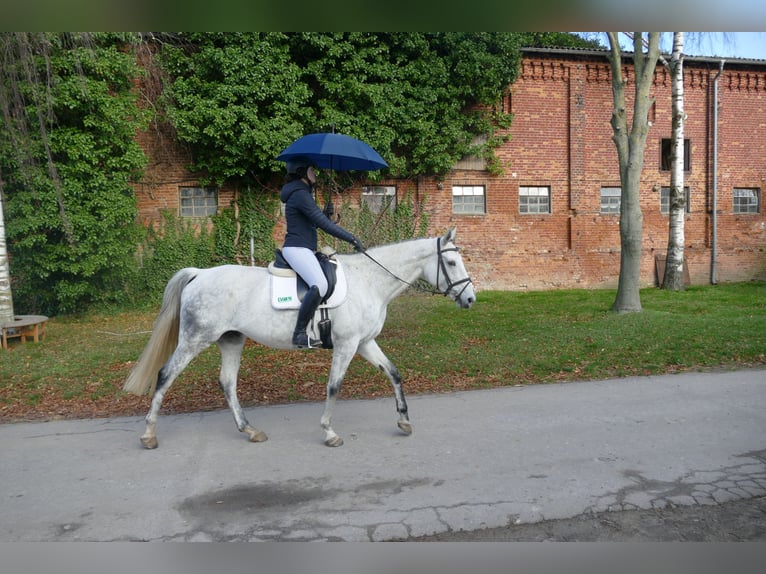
[284, 299]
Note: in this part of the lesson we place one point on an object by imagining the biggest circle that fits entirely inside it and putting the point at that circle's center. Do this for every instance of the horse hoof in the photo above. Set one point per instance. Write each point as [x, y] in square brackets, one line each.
[405, 427]
[334, 441]
[256, 435]
[149, 442]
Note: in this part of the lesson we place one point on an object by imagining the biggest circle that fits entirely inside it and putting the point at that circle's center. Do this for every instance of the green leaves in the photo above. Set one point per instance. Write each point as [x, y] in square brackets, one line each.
[234, 99]
[239, 99]
[71, 216]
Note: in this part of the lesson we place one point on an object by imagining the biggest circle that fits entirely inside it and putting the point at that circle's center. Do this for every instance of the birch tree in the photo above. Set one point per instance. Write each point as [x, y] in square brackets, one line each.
[6, 294]
[674, 263]
[630, 141]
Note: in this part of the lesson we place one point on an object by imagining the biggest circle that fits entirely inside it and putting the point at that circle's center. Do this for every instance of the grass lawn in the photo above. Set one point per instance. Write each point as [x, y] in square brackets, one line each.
[507, 338]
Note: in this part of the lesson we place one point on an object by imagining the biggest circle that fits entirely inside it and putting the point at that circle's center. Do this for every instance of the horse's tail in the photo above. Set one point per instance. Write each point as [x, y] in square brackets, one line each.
[143, 377]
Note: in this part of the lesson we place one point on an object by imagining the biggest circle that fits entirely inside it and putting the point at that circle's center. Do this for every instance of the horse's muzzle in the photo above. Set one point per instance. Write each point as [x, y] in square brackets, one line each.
[465, 303]
[466, 298]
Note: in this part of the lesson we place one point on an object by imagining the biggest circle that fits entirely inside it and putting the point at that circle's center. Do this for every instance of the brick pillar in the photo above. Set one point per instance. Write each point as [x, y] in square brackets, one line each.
[577, 144]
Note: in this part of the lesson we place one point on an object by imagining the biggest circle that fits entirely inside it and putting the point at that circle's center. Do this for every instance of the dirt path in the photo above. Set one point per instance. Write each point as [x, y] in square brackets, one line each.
[741, 520]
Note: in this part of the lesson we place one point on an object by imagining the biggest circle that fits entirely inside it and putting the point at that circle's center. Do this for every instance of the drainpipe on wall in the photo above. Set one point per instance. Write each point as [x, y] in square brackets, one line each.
[714, 199]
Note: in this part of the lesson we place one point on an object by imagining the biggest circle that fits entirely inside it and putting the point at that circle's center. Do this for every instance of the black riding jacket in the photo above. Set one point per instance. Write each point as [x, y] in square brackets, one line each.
[304, 217]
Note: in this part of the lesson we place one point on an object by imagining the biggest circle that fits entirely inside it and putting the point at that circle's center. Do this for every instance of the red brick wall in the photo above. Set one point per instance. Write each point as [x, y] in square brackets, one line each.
[167, 170]
[561, 137]
[165, 175]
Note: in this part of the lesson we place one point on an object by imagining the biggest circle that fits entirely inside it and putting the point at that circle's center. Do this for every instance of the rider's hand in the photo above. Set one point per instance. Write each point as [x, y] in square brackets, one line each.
[357, 244]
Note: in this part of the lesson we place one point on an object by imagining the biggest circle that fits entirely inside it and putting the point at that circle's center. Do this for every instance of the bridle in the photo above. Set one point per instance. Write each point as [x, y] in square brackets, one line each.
[440, 268]
[443, 268]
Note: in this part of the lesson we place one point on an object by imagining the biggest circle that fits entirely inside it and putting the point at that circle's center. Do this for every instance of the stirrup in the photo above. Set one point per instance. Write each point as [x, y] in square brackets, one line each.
[303, 341]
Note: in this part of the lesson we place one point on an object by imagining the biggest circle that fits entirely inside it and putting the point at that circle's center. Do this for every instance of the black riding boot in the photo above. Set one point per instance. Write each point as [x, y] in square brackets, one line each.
[309, 306]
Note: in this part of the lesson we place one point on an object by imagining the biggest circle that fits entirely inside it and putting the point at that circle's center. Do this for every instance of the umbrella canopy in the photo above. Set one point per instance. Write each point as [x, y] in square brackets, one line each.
[334, 151]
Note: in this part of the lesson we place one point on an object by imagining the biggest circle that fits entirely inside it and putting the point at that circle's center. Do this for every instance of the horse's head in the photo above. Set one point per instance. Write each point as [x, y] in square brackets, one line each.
[451, 276]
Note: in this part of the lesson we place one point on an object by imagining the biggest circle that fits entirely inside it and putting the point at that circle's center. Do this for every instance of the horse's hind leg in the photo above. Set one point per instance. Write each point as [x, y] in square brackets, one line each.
[231, 345]
[178, 361]
[371, 351]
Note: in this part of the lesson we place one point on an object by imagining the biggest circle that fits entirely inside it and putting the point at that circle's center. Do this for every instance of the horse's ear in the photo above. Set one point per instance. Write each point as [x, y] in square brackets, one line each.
[449, 237]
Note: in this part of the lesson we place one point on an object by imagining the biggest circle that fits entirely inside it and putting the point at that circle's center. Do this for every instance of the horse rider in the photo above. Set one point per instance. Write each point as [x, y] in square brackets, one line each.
[303, 218]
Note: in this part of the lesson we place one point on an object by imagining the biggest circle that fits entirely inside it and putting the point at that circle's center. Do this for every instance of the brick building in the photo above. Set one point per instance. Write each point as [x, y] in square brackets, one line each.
[551, 220]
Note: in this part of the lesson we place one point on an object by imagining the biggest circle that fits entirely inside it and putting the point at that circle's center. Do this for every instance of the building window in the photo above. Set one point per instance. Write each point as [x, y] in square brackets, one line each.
[665, 200]
[747, 200]
[468, 199]
[378, 198]
[610, 200]
[473, 162]
[199, 201]
[534, 199]
[666, 148]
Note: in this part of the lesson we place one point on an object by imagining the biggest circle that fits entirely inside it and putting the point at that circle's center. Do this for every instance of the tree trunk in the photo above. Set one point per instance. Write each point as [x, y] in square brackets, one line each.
[6, 296]
[630, 153]
[628, 298]
[674, 263]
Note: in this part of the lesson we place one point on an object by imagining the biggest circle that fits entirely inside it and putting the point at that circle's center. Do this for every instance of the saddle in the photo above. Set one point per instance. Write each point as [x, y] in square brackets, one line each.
[288, 289]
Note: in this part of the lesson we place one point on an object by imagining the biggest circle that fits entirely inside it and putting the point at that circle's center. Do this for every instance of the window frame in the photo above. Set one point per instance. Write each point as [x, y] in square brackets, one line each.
[665, 205]
[618, 195]
[204, 204]
[735, 208]
[532, 192]
[376, 197]
[666, 148]
[478, 208]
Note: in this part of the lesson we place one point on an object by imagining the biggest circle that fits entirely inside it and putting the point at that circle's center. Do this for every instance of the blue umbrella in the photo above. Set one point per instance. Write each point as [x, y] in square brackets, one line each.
[334, 151]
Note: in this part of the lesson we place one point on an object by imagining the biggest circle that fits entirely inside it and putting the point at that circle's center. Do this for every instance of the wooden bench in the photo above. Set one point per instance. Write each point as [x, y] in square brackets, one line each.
[24, 326]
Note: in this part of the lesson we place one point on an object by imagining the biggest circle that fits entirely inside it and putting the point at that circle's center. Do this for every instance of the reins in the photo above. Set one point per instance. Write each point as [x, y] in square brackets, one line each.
[442, 267]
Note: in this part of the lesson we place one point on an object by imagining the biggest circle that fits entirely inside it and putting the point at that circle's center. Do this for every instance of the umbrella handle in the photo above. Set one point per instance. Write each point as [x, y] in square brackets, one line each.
[329, 210]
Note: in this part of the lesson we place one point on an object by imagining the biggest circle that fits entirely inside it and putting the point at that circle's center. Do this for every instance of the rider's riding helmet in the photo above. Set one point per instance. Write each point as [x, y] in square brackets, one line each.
[298, 166]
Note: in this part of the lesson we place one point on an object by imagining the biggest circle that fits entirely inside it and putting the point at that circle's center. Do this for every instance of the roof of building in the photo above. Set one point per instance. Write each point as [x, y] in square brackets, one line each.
[590, 52]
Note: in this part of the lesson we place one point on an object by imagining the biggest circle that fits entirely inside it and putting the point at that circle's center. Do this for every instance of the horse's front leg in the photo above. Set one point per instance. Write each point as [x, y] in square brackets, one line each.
[371, 351]
[341, 358]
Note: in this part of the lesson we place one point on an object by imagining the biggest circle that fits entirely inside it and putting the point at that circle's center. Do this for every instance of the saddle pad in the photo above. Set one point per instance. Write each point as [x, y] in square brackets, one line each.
[284, 290]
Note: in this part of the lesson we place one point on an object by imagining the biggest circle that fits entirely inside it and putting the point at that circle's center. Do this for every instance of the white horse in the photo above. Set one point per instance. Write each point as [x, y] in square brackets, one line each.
[229, 303]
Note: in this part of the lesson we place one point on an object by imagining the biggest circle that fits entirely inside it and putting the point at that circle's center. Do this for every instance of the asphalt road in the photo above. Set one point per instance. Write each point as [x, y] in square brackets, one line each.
[476, 460]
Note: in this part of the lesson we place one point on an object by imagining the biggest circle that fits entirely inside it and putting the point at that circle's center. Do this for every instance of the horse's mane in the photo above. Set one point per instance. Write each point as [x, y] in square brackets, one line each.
[401, 242]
